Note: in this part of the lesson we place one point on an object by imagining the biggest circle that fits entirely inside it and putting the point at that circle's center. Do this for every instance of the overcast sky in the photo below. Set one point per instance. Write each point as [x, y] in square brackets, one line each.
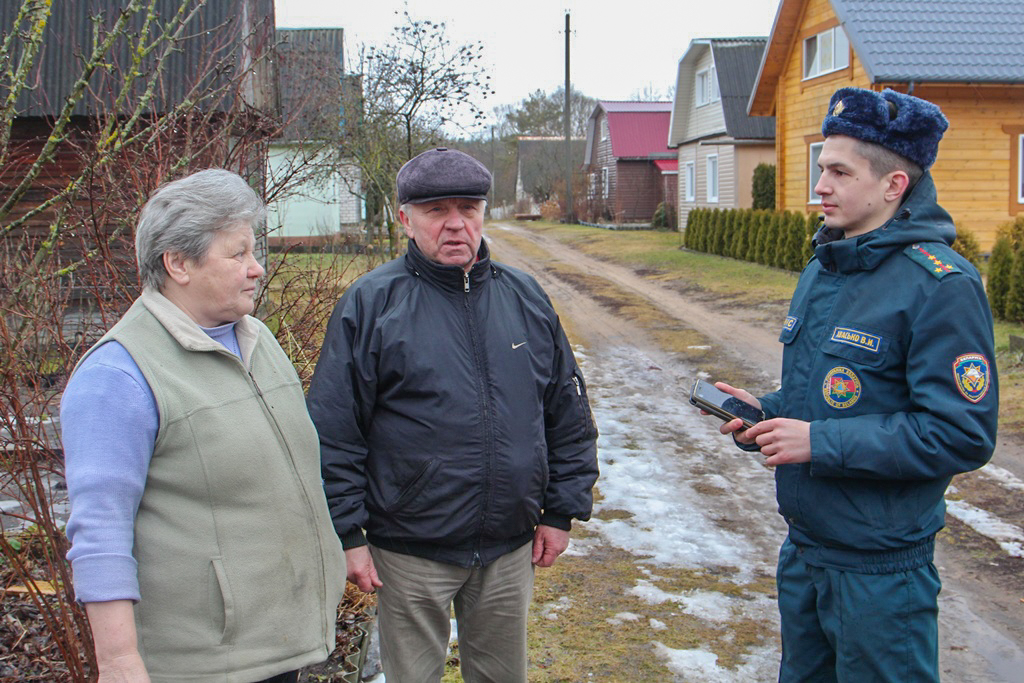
[618, 47]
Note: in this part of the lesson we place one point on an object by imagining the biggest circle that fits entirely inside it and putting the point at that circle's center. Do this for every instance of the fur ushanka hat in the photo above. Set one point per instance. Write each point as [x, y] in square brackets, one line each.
[905, 124]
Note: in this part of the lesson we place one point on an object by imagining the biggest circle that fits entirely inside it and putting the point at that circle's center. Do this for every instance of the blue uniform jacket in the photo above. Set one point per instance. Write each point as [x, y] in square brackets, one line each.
[889, 355]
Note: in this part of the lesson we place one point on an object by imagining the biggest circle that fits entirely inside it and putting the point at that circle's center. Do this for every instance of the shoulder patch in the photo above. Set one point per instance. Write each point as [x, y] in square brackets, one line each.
[933, 257]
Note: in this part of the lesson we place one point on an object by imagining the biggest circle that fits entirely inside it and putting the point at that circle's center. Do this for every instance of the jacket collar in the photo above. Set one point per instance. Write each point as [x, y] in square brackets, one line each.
[188, 334]
[919, 219]
[452, 278]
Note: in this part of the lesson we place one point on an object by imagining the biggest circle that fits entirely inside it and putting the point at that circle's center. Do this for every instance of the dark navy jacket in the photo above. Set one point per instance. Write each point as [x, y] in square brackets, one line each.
[889, 355]
[452, 415]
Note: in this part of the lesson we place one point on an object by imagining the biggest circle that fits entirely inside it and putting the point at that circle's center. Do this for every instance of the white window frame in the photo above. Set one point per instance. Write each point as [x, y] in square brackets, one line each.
[604, 129]
[813, 172]
[826, 52]
[711, 165]
[605, 190]
[690, 181]
[707, 86]
[1020, 168]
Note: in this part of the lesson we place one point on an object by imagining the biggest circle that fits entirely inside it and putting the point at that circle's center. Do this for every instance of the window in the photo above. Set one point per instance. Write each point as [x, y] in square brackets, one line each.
[813, 173]
[605, 190]
[712, 177]
[690, 187]
[1020, 168]
[604, 129]
[707, 87]
[826, 52]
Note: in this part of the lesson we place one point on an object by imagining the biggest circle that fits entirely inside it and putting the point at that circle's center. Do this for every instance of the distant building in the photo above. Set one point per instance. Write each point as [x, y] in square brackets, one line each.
[630, 168]
[718, 144]
[540, 169]
[323, 196]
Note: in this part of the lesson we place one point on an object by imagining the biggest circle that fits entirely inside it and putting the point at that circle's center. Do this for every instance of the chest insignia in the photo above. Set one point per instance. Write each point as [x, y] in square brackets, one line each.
[841, 387]
[862, 340]
[929, 261]
[790, 323]
[972, 376]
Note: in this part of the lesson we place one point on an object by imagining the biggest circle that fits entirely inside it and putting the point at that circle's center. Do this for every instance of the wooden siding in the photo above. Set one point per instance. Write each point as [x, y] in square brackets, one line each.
[637, 192]
[974, 173]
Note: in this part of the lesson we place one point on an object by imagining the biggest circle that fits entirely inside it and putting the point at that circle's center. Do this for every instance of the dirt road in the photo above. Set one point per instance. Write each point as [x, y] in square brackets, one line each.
[638, 388]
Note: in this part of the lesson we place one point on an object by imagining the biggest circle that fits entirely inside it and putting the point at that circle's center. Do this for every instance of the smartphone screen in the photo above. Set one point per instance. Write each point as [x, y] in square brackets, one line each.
[725, 406]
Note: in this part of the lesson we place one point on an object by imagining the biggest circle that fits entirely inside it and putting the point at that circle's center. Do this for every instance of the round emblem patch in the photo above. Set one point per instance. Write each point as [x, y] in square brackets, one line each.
[971, 373]
[841, 387]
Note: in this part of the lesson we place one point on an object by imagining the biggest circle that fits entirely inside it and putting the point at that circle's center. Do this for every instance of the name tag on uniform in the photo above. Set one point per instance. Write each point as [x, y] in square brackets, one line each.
[852, 337]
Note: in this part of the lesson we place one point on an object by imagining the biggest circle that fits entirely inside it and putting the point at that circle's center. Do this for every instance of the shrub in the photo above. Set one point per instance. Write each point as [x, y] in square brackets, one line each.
[1000, 265]
[1014, 308]
[966, 244]
[664, 217]
[763, 187]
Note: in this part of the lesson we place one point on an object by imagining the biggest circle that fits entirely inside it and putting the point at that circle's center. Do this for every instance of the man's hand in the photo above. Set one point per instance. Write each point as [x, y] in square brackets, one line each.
[124, 669]
[548, 544]
[735, 427]
[361, 571]
[783, 440]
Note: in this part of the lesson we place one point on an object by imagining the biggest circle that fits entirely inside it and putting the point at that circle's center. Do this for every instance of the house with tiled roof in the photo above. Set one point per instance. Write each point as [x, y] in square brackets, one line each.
[629, 167]
[718, 144]
[968, 58]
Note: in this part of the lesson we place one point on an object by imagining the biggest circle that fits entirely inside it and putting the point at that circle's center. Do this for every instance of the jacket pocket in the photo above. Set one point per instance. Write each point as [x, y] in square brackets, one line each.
[857, 344]
[790, 329]
[414, 486]
[227, 602]
[583, 403]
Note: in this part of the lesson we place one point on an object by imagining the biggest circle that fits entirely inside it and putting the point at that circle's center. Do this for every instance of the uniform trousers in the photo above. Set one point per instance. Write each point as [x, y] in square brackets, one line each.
[414, 616]
[845, 627]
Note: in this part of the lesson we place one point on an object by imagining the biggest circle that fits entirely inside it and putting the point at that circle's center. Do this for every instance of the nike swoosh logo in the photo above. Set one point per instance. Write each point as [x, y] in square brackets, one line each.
[516, 346]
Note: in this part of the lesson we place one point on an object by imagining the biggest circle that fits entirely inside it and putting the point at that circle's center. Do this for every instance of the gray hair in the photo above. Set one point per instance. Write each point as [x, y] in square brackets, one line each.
[185, 215]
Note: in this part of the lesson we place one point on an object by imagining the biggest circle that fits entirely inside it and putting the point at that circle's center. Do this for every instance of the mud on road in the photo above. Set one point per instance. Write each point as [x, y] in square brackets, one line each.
[677, 499]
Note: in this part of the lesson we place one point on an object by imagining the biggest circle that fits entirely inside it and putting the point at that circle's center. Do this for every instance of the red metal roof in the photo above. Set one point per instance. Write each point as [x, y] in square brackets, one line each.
[639, 129]
[667, 164]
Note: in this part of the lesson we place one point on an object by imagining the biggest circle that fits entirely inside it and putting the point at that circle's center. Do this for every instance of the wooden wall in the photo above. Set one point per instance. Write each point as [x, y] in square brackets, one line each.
[975, 173]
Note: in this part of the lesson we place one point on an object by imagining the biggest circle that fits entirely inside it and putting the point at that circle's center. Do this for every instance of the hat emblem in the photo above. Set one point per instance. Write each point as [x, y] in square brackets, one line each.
[839, 108]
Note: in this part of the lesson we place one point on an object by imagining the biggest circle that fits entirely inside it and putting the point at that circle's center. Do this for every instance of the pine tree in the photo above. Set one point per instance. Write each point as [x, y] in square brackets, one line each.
[1000, 266]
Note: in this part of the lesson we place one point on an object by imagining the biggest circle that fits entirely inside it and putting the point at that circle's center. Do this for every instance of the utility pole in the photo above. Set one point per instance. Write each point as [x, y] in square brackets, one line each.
[569, 217]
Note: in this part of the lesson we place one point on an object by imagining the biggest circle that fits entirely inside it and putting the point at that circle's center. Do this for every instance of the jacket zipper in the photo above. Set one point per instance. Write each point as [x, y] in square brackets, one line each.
[485, 408]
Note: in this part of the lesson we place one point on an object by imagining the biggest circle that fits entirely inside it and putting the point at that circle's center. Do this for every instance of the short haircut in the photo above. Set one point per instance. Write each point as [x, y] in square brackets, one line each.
[185, 215]
[883, 160]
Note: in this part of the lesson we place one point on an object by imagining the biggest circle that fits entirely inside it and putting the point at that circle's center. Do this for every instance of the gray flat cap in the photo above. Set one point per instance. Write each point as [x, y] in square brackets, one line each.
[442, 173]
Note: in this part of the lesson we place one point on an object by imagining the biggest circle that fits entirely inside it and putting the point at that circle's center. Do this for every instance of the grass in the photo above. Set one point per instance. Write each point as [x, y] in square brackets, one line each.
[656, 254]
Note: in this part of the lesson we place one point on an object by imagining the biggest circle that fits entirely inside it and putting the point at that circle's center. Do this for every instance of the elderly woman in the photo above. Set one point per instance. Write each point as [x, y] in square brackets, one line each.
[201, 543]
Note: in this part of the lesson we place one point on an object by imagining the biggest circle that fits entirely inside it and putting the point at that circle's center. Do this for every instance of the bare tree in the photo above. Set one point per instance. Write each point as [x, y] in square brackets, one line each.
[414, 88]
[154, 90]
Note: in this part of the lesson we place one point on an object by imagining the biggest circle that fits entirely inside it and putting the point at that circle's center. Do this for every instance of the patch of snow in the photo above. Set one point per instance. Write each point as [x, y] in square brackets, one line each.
[701, 665]
[1006, 478]
[658, 625]
[1009, 537]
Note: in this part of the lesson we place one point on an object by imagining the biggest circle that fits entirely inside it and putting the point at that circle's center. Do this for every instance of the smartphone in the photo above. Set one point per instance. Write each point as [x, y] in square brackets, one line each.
[709, 398]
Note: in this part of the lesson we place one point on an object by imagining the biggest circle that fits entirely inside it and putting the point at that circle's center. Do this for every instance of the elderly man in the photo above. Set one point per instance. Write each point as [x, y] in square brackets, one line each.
[888, 390]
[455, 432]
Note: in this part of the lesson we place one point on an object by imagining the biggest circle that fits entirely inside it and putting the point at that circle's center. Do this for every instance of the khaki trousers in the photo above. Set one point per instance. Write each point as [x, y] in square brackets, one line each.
[491, 606]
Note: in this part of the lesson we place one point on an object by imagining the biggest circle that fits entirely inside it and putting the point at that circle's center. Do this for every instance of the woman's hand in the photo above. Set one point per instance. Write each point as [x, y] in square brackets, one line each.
[117, 645]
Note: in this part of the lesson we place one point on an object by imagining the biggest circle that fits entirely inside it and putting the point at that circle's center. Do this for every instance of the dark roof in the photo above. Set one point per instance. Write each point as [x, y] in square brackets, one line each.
[310, 64]
[541, 162]
[213, 36]
[736, 64]
[980, 41]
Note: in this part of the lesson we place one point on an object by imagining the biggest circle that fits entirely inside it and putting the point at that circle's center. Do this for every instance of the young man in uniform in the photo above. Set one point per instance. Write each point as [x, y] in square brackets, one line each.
[888, 390]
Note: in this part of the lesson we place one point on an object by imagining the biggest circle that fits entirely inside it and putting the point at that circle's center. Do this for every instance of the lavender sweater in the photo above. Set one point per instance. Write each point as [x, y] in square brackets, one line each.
[109, 423]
